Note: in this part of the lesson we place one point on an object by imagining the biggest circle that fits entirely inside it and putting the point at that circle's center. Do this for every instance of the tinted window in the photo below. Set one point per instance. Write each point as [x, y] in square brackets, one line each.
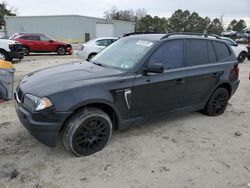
[211, 53]
[31, 37]
[169, 54]
[44, 38]
[197, 52]
[104, 42]
[221, 50]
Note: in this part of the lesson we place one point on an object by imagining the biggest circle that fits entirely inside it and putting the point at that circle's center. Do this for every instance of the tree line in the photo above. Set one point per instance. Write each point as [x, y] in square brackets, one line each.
[179, 21]
[4, 11]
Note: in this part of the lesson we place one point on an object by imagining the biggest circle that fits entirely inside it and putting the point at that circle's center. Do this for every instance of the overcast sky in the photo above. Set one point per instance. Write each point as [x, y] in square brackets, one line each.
[231, 9]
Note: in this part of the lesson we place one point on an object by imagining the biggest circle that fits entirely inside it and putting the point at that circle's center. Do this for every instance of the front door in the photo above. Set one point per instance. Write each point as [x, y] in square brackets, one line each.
[47, 45]
[161, 92]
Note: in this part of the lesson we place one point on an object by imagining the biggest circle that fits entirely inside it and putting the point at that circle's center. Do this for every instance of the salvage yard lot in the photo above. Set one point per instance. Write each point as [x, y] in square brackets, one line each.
[191, 150]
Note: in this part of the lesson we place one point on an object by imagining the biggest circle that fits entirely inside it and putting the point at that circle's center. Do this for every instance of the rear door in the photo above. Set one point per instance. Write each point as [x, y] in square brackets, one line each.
[203, 70]
[31, 41]
[156, 93]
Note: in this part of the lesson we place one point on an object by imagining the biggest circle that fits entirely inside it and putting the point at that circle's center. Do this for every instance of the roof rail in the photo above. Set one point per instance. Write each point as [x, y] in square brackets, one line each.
[191, 33]
[141, 33]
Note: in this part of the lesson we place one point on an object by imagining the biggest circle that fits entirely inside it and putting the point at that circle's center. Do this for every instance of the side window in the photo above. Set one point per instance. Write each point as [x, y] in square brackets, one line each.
[24, 37]
[170, 54]
[44, 38]
[221, 50]
[104, 42]
[32, 38]
[211, 53]
[197, 52]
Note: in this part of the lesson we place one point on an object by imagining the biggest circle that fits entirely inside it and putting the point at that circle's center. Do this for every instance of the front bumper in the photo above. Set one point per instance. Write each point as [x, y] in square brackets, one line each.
[82, 55]
[45, 125]
[15, 55]
[69, 50]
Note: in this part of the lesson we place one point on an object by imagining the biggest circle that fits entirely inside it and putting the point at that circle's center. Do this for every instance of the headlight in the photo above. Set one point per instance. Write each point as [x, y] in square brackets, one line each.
[36, 103]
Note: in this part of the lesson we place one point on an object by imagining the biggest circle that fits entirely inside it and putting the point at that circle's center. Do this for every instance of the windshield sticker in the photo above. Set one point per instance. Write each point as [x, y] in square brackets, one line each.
[144, 43]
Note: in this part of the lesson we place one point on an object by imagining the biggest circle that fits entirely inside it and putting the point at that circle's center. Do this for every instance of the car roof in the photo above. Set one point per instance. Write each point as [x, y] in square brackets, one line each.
[151, 37]
[101, 38]
[31, 34]
[158, 37]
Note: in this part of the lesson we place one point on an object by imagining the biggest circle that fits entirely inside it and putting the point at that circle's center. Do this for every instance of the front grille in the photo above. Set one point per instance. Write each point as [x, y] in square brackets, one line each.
[16, 48]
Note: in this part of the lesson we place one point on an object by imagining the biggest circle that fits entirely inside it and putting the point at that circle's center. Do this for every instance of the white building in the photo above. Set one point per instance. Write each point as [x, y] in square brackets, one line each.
[71, 28]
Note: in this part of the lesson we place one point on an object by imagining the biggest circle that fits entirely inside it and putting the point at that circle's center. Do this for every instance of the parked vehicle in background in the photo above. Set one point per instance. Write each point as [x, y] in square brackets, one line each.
[248, 52]
[136, 79]
[239, 50]
[94, 46]
[41, 43]
[10, 50]
[229, 33]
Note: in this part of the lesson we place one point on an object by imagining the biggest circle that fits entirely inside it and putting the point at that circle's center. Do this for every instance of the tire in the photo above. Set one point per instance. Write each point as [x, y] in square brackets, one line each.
[26, 51]
[217, 102]
[61, 50]
[91, 56]
[4, 56]
[87, 132]
[242, 56]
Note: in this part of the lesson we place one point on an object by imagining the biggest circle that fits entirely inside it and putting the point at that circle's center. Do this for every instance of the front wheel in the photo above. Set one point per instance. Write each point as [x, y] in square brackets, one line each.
[242, 56]
[4, 56]
[61, 50]
[26, 51]
[217, 103]
[87, 132]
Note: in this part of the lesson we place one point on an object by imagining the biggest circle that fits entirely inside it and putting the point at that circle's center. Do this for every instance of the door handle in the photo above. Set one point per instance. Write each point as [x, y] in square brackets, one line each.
[179, 81]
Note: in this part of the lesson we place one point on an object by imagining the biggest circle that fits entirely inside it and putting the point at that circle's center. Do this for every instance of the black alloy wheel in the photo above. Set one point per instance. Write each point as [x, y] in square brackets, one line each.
[217, 102]
[242, 56]
[61, 50]
[87, 132]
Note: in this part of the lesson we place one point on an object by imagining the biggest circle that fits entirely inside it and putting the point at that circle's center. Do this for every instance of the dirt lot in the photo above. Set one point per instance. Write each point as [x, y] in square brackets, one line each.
[192, 150]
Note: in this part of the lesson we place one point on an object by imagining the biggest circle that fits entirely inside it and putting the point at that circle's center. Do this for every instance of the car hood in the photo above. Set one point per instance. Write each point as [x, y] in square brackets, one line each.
[7, 41]
[65, 77]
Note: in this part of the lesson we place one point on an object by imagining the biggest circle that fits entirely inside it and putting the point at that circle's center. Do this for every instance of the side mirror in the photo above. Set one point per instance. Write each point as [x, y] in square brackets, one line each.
[51, 41]
[236, 44]
[154, 68]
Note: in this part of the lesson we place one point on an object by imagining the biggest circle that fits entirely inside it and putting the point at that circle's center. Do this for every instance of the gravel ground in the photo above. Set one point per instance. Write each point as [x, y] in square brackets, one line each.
[191, 150]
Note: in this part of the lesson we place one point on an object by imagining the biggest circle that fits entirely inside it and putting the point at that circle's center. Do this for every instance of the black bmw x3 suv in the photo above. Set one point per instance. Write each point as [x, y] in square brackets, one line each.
[137, 78]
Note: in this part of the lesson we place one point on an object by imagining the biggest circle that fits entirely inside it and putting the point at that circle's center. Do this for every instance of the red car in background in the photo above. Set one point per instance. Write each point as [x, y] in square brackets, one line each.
[41, 43]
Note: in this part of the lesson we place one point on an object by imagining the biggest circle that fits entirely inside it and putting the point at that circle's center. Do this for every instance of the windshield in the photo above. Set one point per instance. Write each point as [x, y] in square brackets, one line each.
[123, 54]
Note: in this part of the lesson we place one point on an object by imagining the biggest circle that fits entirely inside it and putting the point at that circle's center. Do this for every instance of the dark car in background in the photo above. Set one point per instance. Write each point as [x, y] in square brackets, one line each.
[41, 43]
[136, 79]
[248, 53]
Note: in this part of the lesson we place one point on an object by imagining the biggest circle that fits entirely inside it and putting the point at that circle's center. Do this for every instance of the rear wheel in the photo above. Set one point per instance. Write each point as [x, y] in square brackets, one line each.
[61, 50]
[87, 132]
[4, 55]
[26, 51]
[242, 56]
[91, 56]
[217, 103]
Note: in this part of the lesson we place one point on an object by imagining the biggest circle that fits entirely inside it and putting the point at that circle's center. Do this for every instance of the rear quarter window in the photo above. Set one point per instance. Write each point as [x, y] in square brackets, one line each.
[221, 50]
